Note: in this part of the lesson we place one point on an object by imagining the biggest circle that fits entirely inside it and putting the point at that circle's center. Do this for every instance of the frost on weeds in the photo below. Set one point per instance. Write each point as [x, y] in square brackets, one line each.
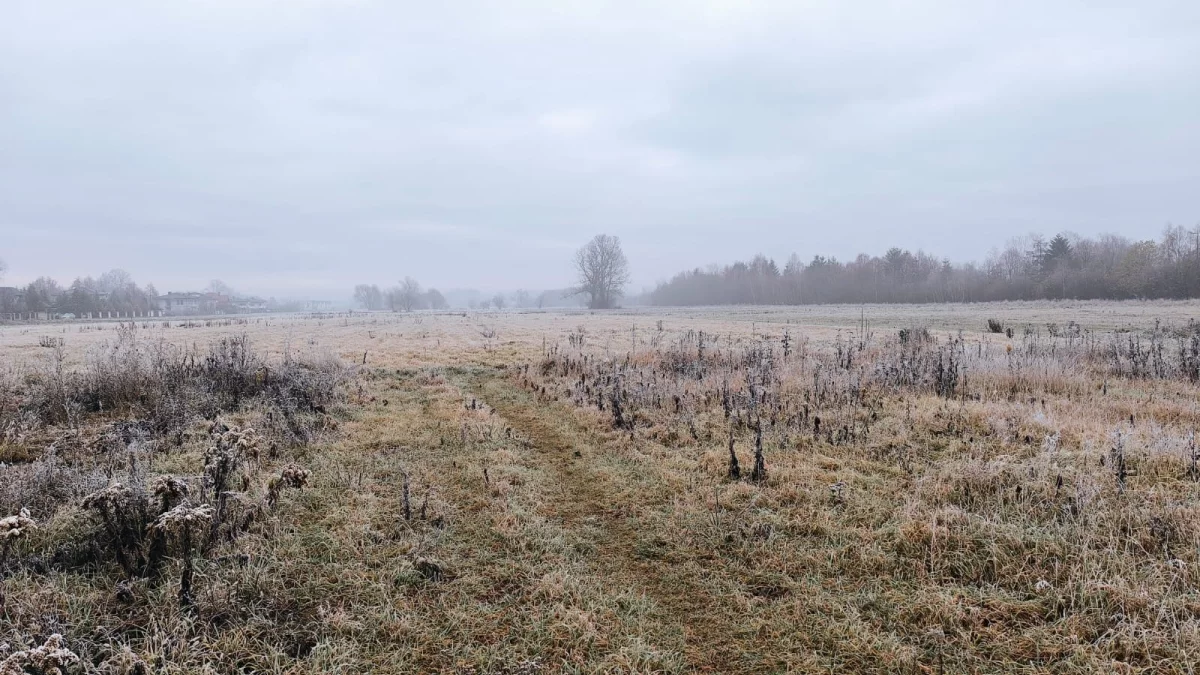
[52, 658]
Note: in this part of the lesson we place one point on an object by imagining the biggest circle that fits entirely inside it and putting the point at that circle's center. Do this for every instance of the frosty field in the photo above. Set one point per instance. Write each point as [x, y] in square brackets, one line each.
[808, 489]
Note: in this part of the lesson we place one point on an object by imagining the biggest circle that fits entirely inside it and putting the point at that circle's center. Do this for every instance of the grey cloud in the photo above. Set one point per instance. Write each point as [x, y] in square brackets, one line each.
[314, 144]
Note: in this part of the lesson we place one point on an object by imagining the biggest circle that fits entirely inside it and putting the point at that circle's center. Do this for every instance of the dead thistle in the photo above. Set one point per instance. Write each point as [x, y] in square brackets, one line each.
[170, 490]
[177, 524]
[292, 476]
[124, 514]
[52, 658]
[13, 528]
[735, 470]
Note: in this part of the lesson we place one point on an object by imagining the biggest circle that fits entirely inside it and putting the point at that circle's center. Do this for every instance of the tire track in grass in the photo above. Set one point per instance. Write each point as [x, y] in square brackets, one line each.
[588, 504]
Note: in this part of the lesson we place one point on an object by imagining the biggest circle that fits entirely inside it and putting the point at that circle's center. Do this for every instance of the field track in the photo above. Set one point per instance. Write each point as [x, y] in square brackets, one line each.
[582, 500]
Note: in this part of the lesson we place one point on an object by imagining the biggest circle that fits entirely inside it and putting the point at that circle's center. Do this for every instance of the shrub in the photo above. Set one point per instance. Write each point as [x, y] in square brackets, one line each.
[45, 484]
[169, 386]
[915, 334]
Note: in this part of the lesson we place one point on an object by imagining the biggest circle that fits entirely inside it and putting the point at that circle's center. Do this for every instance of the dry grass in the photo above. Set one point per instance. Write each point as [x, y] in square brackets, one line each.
[473, 501]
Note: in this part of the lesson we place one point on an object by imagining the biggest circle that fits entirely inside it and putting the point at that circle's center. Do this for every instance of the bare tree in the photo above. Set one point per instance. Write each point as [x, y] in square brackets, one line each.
[7, 303]
[221, 288]
[498, 301]
[42, 294]
[362, 295]
[435, 300]
[521, 298]
[369, 296]
[603, 271]
[151, 294]
[409, 296]
[114, 280]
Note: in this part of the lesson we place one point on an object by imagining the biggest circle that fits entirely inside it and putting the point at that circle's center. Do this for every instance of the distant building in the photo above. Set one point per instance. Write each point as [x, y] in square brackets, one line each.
[12, 300]
[196, 303]
[318, 305]
[211, 303]
[182, 303]
[249, 305]
[11, 296]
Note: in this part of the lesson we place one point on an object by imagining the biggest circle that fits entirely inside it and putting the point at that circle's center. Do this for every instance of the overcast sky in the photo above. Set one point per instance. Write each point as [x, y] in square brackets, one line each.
[301, 146]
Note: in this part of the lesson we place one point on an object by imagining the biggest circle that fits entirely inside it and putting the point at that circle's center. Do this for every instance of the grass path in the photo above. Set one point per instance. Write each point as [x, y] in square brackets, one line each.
[589, 501]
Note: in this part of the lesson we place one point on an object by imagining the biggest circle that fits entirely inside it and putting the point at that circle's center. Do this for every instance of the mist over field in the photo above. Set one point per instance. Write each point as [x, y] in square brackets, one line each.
[538, 337]
[296, 149]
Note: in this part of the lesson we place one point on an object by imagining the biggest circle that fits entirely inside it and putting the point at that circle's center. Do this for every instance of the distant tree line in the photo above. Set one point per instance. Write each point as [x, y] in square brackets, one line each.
[113, 291]
[406, 297]
[1028, 268]
[116, 292]
[523, 299]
